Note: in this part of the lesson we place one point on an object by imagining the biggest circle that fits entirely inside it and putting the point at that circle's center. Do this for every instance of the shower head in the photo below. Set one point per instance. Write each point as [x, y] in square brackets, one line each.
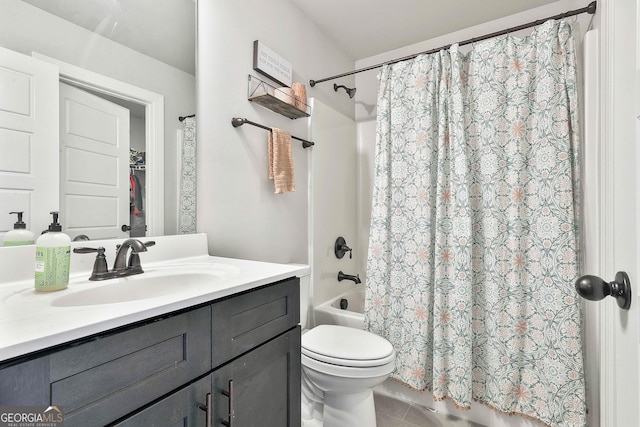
[351, 92]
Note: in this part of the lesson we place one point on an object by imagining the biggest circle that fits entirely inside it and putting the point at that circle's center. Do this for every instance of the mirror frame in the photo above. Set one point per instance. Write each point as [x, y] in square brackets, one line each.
[154, 130]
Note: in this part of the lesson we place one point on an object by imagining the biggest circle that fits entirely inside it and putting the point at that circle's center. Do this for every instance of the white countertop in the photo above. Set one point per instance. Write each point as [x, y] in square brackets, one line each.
[32, 321]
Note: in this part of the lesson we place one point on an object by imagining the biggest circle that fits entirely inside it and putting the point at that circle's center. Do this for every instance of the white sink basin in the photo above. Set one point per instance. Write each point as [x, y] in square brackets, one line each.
[153, 283]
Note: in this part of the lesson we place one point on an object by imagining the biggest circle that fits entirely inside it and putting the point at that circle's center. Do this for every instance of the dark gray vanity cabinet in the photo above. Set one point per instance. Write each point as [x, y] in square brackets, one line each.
[258, 389]
[235, 359]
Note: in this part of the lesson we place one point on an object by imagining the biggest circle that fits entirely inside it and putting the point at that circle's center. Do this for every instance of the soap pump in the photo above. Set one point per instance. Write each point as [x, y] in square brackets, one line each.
[53, 257]
[19, 235]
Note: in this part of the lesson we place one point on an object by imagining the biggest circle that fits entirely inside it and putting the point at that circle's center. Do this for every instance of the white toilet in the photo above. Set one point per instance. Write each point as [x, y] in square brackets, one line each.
[340, 367]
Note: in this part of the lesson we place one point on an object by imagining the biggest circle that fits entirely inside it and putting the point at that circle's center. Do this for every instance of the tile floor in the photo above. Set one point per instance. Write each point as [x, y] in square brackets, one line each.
[392, 412]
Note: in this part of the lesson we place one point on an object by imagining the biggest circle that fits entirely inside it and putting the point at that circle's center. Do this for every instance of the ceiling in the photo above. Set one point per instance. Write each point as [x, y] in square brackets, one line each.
[162, 29]
[368, 27]
[165, 29]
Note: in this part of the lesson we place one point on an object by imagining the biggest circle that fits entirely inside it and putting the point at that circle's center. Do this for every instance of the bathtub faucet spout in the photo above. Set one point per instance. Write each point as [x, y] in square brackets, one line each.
[355, 279]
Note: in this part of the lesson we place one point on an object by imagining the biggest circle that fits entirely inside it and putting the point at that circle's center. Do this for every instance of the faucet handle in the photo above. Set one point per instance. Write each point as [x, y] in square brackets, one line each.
[347, 248]
[100, 268]
[134, 258]
[87, 250]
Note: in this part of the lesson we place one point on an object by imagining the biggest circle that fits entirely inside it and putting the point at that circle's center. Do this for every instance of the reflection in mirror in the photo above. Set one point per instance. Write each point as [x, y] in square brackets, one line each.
[143, 44]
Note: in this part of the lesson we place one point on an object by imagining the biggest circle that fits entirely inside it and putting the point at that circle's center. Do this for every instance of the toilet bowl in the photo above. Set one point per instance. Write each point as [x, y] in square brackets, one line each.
[340, 368]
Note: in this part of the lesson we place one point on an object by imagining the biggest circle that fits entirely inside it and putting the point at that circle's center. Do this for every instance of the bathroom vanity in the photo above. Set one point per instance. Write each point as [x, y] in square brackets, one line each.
[225, 354]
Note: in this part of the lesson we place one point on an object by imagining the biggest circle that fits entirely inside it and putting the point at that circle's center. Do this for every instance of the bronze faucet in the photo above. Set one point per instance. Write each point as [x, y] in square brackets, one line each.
[120, 269]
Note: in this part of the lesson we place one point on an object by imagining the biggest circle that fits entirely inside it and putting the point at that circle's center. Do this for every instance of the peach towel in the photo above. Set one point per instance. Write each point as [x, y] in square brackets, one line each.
[285, 94]
[300, 95]
[281, 161]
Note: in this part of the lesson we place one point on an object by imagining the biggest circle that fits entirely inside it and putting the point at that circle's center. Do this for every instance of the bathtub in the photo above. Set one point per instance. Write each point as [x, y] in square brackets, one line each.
[330, 313]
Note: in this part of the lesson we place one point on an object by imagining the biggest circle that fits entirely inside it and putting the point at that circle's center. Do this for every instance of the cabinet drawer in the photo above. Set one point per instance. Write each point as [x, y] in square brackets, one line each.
[102, 380]
[243, 322]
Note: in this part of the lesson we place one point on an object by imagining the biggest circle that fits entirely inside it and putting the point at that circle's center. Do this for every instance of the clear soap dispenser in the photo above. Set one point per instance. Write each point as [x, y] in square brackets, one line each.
[53, 257]
[19, 235]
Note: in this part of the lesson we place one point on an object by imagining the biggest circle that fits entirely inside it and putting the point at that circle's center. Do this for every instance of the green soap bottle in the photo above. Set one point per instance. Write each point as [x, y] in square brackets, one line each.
[53, 258]
[19, 235]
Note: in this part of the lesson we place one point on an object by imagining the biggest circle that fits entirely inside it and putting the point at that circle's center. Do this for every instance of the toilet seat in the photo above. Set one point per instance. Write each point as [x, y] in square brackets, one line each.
[348, 371]
[346, 347]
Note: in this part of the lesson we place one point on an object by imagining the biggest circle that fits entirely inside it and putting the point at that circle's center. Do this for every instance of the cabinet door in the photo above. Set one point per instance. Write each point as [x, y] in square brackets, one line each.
[261, 388]
[181, 408]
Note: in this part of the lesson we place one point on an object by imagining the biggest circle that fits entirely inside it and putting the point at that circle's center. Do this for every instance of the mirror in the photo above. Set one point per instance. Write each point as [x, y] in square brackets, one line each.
[144, 44]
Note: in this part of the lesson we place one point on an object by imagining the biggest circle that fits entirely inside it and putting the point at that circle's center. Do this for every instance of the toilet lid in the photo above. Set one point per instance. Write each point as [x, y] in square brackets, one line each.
[346, 346]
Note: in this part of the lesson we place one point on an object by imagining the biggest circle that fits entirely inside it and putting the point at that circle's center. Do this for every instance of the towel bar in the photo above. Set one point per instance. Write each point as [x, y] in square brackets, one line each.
[238, 121]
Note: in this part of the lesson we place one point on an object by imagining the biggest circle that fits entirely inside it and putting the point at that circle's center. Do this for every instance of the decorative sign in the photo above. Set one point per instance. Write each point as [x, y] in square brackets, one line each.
[272, 65]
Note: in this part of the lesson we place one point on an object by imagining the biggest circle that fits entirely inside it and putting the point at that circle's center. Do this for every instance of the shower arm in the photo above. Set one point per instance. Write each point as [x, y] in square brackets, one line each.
[350, 91]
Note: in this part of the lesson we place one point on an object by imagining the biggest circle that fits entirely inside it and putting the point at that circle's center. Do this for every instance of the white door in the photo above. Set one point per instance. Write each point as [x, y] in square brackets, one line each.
[94, 165]
[617, 205]
[28, 140]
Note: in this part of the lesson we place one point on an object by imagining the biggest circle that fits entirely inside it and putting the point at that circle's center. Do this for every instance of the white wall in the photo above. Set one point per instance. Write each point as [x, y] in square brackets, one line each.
[26, 29]
[333, 202]
[367, 84]
[237, 206]
[366, 149]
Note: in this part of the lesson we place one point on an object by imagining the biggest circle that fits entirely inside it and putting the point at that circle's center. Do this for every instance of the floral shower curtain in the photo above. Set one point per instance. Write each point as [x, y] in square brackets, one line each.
[473, 249]
[187, 208]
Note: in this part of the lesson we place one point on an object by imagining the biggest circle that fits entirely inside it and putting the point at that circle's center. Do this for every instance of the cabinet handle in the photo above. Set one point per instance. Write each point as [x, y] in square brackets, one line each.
[208, 408]
[232, 414]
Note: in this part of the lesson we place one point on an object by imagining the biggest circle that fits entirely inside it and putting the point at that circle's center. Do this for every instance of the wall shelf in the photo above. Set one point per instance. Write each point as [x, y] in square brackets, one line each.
[275, 99]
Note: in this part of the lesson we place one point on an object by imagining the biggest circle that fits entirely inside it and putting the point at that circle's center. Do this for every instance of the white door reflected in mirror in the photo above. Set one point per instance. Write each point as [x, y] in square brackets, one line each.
[94, 165]
[28, 119]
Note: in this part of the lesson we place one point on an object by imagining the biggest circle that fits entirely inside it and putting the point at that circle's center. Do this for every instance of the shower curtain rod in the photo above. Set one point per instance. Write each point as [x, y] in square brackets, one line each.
[591, 9]
[238, 121]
